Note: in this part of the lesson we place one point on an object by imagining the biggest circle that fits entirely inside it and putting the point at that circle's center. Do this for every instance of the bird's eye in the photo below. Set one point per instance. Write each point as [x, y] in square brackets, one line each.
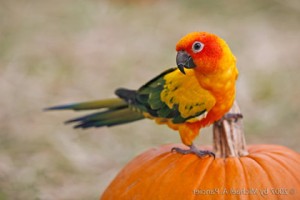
[197, 47]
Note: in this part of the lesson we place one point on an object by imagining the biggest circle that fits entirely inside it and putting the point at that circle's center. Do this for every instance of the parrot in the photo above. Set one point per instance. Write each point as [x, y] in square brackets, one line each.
[186, 98]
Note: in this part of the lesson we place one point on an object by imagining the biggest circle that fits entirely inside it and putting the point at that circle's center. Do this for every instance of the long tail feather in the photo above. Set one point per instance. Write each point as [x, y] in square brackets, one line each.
[114, 112]
[107, 103]
[98, 116]
[106, 118]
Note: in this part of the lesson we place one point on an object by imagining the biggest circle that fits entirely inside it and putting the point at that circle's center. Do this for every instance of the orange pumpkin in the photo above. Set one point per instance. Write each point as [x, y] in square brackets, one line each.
[238, 172]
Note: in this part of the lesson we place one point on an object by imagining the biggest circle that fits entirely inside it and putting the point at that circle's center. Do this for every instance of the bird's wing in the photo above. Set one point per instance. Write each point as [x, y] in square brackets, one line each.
[174, 96]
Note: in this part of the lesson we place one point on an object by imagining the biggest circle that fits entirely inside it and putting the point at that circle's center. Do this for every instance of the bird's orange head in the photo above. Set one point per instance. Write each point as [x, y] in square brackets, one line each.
[204, 52]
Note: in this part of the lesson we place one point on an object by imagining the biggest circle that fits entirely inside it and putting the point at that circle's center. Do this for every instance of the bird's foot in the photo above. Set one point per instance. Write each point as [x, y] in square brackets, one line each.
[229, 117]
[194, 150]
[232, 116]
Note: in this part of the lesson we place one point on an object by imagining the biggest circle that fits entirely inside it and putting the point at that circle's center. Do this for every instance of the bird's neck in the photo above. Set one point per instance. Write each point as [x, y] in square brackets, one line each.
[222, 81]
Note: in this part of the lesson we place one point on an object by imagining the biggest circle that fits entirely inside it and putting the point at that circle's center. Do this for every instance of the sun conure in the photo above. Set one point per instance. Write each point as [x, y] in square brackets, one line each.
[194, 95]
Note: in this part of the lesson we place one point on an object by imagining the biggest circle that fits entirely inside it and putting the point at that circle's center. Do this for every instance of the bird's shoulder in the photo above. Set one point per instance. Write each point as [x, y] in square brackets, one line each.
[157, 81]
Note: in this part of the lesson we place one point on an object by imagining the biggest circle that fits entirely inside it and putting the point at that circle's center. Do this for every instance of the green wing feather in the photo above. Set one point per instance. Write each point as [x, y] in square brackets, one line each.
[130, 106]
[193, 99]
[148, 99]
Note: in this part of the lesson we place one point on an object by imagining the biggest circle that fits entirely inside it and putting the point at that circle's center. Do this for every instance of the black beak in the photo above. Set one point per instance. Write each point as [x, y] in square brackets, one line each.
[184, 60]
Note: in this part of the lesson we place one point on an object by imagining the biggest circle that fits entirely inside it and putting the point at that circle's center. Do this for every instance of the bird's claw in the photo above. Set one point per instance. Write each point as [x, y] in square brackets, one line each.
[233, 116]
[229, 117]
[194, 150]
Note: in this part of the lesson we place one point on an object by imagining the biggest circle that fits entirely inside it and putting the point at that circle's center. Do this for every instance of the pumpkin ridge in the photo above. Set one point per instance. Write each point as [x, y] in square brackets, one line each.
[260, 163]
[246, 161]
[245, 178]
[292, 157]
[161, 158]
[169, 168]
[195, 163]
[231, 167]
[258, 148]
[190, 164]
[279, 162]
[155, 152]
[211, 169]
[168, 172]
[163, 173]
[197, 185]
[280, 176]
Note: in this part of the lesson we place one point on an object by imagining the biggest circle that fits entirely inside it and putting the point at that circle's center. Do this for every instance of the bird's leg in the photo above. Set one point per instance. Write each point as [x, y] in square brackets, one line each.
[193, 150]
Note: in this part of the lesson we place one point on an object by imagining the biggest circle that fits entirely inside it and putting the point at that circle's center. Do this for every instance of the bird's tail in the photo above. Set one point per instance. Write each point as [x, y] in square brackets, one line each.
[112, 112]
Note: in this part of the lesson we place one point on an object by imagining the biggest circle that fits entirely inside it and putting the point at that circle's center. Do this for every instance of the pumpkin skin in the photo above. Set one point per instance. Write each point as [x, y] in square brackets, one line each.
[272, 171]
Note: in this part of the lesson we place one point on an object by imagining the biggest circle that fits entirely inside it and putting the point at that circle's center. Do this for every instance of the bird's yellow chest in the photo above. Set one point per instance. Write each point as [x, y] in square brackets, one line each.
[222, 86]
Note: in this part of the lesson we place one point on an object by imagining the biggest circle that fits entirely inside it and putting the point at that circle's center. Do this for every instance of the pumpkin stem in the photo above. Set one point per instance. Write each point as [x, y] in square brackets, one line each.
[228, 135]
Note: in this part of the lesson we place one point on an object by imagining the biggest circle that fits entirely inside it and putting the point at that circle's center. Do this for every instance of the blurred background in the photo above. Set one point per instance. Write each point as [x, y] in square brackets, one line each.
[59, 51]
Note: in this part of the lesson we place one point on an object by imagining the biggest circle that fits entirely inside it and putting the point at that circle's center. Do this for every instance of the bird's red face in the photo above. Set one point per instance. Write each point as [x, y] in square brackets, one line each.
[199, 50]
